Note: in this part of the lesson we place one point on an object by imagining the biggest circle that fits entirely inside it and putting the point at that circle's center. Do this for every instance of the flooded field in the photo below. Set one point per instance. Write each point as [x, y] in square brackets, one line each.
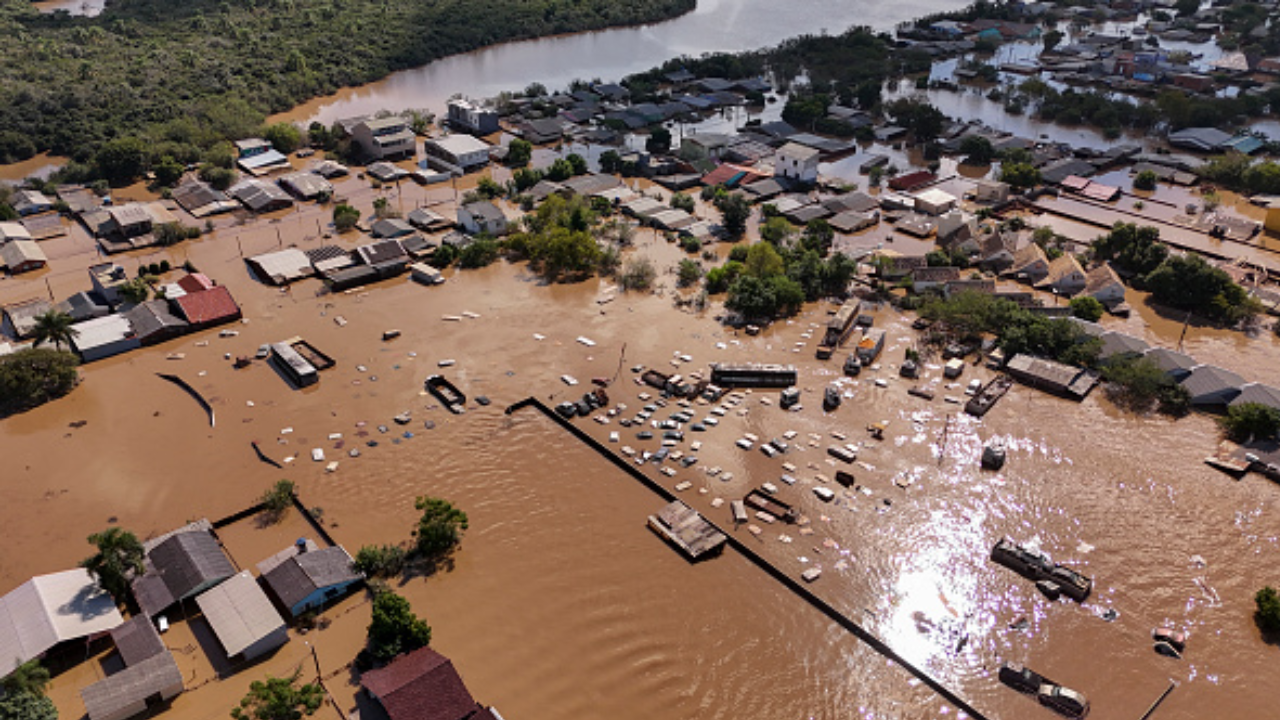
[561, 603]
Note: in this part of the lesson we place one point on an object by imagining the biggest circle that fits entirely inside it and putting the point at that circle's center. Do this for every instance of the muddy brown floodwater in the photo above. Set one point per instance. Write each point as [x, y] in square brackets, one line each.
[561, 604]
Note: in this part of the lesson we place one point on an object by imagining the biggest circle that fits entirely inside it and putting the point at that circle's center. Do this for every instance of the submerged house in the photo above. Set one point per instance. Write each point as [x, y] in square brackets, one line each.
[482, 217]
[1212, 387]
[305, 578]
[208, 308]
[50, 610]
[242, 617]
[179, 566]
[150, 677]
[423, 685]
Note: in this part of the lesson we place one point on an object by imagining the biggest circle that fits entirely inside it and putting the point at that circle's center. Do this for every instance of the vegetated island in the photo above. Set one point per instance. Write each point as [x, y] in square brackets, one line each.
[189, 74]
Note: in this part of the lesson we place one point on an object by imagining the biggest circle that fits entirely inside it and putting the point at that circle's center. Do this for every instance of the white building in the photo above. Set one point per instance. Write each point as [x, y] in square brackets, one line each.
[385, 138]
[103, 337]
[934, 201]
[457, 152]
[797, 162]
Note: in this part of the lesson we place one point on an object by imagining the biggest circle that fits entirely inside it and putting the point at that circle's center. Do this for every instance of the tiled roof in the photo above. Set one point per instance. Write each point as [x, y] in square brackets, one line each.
[209, 306]
[422, 685]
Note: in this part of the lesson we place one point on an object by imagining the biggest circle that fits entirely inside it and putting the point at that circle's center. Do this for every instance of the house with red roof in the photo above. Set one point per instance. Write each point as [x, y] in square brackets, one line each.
[207, 308]
[423, 685]
[196, 282]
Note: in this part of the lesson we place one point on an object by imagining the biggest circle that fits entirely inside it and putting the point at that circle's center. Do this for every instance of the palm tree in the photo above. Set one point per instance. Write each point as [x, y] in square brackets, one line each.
[119, 557]
[54, 327]
[31, 678]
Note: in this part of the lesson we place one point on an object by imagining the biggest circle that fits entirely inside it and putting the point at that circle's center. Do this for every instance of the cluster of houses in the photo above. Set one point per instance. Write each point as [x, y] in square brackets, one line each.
[106, 324]
[65, 617]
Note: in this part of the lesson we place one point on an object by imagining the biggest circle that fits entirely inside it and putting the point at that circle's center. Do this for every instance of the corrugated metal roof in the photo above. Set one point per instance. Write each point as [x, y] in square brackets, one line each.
[239, 613]
[1210, 383]
[49, 609]
[158, 674]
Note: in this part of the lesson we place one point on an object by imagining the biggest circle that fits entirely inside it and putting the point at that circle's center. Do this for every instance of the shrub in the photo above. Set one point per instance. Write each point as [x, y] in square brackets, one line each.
[690, 244]
[279, 699]
[1250, 420]
[738, 253]
[637, 274]
[1086, 308]
[384, 561]
[1268, 602]
[688, 273]
[1145, 180]
[680, 201]
[444, 256]
[32, 377]
[345, 217]
[278, 499]
[479, 253]
[394, 629]
[440, 528]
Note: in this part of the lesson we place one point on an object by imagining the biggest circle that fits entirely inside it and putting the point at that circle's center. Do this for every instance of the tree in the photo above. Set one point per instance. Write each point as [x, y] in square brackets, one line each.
[638, 273]
[680, 201]
[763, 261]
[54, 327]
[577, 162]
[278, 499]
[279, 699]
[345, 217]
[923, 120]
[30, 677]
[285, 137]
[688, 273]
[394, 629]
[610, 161]
[1086, 308]
[440, 528]
[121, 160]
[734, 212]
[1145, 180]
[1186, 7]
[1131, 248]
[384, 561]
[719, 279]
[1051, 39]
[119, 557]
[168, 171]
[1020, 175]
[35, 376]
[1250, 421]
[1191, 283]
[25, 706]
[560, 170]
[659, 141]
[776, 230]
[1268, 602]
[519, 153]
[977, 150]
[478, 253]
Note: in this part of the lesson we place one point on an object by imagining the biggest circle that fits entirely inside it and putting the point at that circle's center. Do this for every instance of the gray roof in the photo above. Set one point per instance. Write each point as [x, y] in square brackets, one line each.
[855, 201]
[258, 195]
[83, 306]
[137, 640]
[1114, 343]
[390, 228]
[1092, 329]
[305, 184]
[151, 317]
[382, 251]
[49, 609]
[239, 613]
[283, 265]
[1171, 361]
[182, 565]
[1208, 383]
[118, 693]
[485, 210]
[1258, 393]
[297, 577]
[591, 184]
[1204, 138]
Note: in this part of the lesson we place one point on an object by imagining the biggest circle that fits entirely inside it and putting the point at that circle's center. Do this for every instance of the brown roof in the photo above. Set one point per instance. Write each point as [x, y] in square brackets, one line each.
[421, 686]
[1100, 277]
[209, 306]
[1060, 268]
[1028, 256]
[935, 274]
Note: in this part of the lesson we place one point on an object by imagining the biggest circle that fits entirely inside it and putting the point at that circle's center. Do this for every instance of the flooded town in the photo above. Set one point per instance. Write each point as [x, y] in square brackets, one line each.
[736, 364]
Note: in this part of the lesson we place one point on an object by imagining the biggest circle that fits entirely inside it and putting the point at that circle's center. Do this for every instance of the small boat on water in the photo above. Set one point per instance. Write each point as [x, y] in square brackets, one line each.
[1169, 642]
[761, 501]
[852, 366]
[446, 393]
[830, 398]
[390, 335]
[993, 454]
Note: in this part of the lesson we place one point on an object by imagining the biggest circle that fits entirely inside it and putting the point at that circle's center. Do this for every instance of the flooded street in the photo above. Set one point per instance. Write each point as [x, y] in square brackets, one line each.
[562, 604]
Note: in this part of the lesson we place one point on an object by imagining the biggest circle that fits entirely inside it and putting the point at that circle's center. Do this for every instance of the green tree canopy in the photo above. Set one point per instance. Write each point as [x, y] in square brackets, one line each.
[34, 376]
[1133, 249]
[1086, 308]
[394, 629]
[30, 677]
[118, 559]
[54, 327]
[345, 217]
[279, 699]
[1190, 283]
[440, 528]
[519, 153]
[285, 137]
[25, 706]
[1268, 614]
[1250, 421]
[734, 212]
[1020, 175]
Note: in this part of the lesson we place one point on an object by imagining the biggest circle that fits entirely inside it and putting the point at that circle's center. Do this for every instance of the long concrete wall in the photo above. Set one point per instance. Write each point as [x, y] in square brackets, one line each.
[791, 583]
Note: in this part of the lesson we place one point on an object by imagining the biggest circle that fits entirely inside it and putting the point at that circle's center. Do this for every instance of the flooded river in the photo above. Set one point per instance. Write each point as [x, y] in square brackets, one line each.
[715, 26]
[561, 604]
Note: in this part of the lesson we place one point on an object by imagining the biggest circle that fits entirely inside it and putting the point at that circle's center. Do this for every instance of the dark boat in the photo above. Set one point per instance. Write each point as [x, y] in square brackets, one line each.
[830, 398]
[446, 393]
[986, 398]
[852, 366]
[844, 478]
[789, 398]
[1020, 678]
[761, 501]
[1176, 640]
[993, 455]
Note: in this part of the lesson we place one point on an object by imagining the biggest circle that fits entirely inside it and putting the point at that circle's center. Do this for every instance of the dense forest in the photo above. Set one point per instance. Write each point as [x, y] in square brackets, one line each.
[181, 76]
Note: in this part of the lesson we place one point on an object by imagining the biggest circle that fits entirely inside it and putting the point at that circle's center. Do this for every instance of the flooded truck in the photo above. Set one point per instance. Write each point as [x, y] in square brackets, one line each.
[838, 328]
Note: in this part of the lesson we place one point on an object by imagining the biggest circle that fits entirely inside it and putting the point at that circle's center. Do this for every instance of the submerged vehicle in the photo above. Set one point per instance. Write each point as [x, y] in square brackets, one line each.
[852, 366]
[445, 391]
[1064, 700]
[993, 454]
[831, 398]
[790, 397]
[1020, 678]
